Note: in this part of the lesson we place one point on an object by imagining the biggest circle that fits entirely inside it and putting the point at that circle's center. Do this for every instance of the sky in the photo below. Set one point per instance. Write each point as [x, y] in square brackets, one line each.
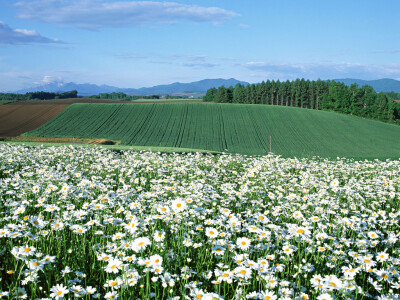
[133, 44]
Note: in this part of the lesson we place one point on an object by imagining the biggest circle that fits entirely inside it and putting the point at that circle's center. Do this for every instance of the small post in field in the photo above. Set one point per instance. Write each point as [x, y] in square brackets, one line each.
[270, 143]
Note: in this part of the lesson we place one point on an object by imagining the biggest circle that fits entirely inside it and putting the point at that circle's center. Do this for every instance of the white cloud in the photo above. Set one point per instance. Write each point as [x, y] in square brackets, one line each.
[324, 70]
[95, 14]
[49, 79]
[22, 36]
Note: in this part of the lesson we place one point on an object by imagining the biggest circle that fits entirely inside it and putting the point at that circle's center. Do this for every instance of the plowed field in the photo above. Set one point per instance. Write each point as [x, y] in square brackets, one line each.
[16, 119]
[66, 101]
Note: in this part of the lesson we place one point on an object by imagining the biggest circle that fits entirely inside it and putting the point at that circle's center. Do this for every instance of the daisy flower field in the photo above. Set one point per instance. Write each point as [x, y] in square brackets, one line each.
[90, 223]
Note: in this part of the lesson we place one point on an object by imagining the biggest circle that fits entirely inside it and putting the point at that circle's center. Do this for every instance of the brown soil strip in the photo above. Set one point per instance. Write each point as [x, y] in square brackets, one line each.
[17, 119]
[65, 101]
[103, 142]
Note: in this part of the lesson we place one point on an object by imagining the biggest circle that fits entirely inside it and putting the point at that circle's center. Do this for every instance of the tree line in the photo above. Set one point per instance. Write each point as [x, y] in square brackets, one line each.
[393, 95]
[38, 96]
[122, 96]
[125, 97]
[319, 95]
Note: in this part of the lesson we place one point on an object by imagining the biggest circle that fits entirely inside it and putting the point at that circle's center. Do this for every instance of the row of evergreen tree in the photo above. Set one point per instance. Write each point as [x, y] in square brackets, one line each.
[320, 95]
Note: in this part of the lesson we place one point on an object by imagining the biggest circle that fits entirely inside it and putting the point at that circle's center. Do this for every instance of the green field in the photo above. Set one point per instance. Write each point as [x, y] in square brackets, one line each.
[234, 128]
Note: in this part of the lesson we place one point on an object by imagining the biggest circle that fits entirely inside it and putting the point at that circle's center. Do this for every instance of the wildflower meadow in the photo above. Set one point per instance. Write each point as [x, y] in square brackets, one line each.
[90, 223]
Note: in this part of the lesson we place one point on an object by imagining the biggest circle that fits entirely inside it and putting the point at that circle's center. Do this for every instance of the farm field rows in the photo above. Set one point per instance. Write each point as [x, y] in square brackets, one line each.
[89, 223]
[22, 116]
[244, 129]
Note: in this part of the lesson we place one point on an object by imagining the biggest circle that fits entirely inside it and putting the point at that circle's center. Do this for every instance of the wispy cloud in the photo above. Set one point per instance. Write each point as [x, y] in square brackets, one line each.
[199, 65]
[193, 65]
[22, 36]
[324, 71]
[202, 58]
[95, 14]
[129, 56]
[185, 60]
[244, 26]
[160, 62]
[392, 51]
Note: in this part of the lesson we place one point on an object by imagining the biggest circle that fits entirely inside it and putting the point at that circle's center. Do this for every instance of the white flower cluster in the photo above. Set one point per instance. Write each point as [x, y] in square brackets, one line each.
[81, 222]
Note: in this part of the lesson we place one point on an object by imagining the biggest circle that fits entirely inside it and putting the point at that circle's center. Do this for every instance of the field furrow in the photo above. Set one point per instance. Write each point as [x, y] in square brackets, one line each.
[228, 128]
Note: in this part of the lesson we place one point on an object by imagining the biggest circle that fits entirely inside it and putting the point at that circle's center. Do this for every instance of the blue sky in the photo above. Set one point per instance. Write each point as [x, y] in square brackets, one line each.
[146, 43]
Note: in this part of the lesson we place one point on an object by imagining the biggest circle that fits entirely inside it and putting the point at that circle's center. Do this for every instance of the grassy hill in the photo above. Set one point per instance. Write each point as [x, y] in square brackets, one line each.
[235, 128]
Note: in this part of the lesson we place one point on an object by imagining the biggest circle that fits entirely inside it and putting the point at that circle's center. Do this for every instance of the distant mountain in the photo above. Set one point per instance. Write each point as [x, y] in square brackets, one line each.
[380, 85]
[60, 87]
[87, 89]
[177, 87]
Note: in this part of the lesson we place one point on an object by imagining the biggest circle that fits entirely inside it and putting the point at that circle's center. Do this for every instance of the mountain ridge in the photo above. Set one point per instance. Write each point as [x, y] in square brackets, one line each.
[201, 86]
[379, 85]
[87, 89]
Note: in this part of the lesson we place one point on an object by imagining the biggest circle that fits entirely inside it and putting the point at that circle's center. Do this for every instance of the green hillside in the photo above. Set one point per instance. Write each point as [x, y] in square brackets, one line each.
[235, 128]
